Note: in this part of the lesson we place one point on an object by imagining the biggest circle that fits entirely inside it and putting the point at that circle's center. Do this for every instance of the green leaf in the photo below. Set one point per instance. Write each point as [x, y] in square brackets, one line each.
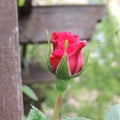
[63, 71]
[29, 92]
[81, 118]
[36, 114]
[113, 113]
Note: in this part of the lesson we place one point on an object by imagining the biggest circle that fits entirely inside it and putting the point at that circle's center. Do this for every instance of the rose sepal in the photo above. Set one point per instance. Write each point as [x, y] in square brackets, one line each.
[49, 52]
[63, 70]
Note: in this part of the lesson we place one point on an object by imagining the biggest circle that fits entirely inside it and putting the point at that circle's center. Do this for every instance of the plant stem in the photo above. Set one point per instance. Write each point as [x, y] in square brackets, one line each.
[57, 106]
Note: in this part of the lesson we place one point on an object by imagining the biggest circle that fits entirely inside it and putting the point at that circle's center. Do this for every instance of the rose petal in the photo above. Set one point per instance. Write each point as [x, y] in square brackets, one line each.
[75, 59]
[54, 60]
[54, 40]
[58, 52]
[76, 46]
[59, 38]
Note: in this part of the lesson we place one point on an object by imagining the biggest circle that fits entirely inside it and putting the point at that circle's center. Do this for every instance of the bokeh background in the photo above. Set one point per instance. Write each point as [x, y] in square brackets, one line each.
[98, 88]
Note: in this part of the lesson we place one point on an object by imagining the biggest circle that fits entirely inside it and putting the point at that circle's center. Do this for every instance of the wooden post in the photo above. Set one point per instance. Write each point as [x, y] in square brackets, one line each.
[11, 105]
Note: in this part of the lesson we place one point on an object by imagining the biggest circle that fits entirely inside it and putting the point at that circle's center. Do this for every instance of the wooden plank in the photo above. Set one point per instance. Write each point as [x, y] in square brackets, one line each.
[11, 106]
[81, 19]
[37, 74]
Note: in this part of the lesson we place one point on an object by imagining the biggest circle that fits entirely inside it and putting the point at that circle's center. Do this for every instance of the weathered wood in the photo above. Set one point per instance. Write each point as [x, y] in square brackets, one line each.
[37, 74]
[81, 19]
[11, 105]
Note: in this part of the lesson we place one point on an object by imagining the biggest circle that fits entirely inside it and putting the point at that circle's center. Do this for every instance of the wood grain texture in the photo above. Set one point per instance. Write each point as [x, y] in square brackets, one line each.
[37, 74]
[11, 105]
[81, 19]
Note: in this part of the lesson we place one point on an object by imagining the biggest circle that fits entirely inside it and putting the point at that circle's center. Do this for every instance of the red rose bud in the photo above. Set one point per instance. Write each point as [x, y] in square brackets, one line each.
[67, 59]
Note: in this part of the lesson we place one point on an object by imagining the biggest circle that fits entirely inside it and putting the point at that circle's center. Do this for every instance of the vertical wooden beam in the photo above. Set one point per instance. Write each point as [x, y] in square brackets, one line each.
[11, 106]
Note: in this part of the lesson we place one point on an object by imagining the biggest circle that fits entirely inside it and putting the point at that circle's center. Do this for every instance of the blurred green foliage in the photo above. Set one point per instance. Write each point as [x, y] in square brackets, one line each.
[99, 86]
[29, 92]
[21, 3]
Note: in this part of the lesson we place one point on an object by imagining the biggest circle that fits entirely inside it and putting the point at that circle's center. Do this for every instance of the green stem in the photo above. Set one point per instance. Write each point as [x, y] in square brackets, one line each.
[57, 106]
